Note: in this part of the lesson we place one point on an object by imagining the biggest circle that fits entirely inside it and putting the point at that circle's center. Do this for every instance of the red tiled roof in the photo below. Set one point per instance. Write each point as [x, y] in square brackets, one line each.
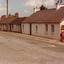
[18, 20]
[49, 15]
[56, 16]
[7, 20]
[12, 20]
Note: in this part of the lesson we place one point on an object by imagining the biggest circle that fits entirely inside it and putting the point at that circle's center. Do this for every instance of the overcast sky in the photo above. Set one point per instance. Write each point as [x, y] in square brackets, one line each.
[24, 7]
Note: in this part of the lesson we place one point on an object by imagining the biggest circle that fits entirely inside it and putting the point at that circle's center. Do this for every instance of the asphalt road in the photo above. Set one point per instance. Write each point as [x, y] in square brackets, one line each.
[18, 50]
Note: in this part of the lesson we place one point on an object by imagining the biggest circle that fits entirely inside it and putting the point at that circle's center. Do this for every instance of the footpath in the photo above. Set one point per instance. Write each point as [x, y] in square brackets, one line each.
[47, 40]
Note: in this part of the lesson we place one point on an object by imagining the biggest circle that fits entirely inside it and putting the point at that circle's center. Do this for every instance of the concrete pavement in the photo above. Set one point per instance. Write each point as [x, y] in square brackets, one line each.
[18, 49]
[48, 40]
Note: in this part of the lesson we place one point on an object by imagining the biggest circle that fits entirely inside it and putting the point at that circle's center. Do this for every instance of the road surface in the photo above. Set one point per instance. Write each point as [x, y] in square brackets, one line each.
[19, 50]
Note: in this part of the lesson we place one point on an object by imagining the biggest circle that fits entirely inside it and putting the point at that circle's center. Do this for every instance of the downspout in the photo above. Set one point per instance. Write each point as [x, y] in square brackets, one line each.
[30, 29]
[20, 28]
[10, 27]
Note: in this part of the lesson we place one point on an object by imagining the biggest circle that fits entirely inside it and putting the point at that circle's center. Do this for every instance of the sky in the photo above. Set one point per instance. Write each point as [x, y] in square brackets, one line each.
[24, 7]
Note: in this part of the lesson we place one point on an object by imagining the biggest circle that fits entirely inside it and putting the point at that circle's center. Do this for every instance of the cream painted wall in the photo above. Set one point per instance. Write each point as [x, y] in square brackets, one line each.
[26, 29]
[16, 28]
[8, 27]
[41, 31]
[2, 27]
[5, 27]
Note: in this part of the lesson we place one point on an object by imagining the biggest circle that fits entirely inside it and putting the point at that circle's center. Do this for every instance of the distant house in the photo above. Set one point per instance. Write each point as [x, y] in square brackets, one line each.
[5, 23]
[47, 23]
[16, 24]
[12, 23]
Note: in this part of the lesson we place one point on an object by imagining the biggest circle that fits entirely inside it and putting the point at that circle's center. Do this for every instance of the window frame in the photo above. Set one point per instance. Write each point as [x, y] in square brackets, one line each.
[52, 29]
[36, 28]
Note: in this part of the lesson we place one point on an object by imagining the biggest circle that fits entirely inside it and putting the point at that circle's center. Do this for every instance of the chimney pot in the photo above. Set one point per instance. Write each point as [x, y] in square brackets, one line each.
[36, 6]
[61, 2]
[58, 1]
[3, 16]
[9, 15]
[16, 14]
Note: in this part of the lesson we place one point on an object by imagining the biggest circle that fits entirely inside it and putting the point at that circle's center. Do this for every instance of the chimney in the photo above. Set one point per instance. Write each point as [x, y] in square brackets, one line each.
[36, 9]
[36, 6]
[58, 2]
[9, 15]
[3, 16]
[61, 1]
[16, 14]
[59, 5]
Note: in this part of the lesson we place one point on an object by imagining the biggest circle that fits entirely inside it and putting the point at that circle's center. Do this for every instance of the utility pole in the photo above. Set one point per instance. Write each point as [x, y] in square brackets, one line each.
[7, 8]
[7, 15]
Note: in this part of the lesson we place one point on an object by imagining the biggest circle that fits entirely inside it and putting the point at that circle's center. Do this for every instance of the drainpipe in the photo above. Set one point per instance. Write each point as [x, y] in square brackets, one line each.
[10, 27]
[30, 29]
[20, 28]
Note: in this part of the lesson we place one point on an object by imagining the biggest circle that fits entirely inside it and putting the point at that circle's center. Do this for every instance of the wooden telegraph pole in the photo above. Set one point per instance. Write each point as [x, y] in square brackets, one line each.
[7, 15]
[7, 8]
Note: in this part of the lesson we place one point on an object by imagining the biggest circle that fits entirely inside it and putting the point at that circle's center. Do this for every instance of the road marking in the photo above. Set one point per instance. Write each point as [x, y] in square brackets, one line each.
[52, 45]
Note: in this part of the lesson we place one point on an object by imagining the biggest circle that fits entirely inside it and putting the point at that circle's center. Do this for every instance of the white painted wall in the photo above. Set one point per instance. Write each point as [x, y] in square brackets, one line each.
[59, 5]
[43, 33]
[4, 27]
[16, 28]
[26, 29]
[36, 9]
[8, 27]
[62, 23]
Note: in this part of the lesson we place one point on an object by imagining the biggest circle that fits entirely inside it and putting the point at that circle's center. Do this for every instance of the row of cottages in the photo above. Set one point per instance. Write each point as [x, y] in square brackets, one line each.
[12, 24]
[47, 23]
[5, 23]
[16, 25]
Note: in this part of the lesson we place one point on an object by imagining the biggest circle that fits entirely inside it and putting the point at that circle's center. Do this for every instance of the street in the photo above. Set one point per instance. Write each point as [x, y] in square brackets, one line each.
[20, 50]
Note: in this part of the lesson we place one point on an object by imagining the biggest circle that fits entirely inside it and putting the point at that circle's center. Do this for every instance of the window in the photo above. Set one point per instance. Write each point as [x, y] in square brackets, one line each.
[52, 28]
[46, 27]
[36, 28]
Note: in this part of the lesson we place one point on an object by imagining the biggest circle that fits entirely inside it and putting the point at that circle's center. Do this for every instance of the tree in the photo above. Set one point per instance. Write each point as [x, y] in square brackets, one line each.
[42, 7]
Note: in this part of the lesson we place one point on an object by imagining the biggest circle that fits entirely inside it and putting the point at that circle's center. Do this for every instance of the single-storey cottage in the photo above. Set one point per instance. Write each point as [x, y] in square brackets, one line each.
[16, 24]
[5, 23]
[46, 23]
